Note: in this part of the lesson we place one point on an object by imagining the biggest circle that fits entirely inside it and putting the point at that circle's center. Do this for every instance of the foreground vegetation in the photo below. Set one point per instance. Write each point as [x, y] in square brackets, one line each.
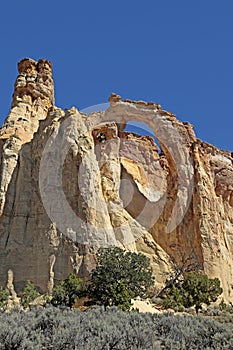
[118, 277]
[111, 328]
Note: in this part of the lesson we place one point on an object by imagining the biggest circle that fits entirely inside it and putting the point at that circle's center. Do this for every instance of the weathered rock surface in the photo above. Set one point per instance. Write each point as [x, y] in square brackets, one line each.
[71, 182]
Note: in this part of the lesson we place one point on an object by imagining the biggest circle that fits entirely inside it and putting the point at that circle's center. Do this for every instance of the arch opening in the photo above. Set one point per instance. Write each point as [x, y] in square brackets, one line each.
[141, 129]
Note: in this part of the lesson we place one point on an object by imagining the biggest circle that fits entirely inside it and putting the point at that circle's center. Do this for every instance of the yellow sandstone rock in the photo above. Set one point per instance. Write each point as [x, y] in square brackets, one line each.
[70, 183]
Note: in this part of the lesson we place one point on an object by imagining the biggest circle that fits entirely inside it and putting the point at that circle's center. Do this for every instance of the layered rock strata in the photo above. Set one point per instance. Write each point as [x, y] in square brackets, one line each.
[72, 182]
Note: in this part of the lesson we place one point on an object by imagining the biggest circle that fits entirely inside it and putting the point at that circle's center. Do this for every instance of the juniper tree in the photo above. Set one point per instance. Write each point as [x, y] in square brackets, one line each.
[120, 276]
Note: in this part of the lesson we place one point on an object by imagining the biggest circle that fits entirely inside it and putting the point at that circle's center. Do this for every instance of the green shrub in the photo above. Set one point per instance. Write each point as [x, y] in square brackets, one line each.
[120, 276]
[225, 307]
[193, 290]
[67, 291]
[4, 295]
[29, 294]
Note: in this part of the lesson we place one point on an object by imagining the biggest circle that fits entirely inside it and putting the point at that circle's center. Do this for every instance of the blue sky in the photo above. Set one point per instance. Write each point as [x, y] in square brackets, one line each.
[176, 53]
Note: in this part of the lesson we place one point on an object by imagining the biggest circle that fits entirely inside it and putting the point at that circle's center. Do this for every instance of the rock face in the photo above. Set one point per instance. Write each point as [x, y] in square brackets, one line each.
[71, 182]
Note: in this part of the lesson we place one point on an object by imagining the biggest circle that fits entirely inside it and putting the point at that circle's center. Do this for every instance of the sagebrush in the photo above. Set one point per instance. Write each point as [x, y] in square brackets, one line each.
[55, 328]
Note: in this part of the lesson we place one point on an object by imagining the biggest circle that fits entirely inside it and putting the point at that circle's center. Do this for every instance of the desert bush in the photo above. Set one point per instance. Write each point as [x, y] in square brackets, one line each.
[195, 289]
[29, 294]
[120, 276]
[54, 328]
[4, 295]
[67, 291]
[223, 306]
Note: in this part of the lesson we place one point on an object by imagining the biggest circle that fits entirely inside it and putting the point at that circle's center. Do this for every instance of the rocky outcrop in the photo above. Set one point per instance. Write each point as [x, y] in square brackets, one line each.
[13, 300]
[71, 183]
[32, 98]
